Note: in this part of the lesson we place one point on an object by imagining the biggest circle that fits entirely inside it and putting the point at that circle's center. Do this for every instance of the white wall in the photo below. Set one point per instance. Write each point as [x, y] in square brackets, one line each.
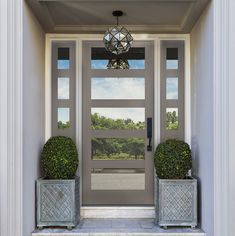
[231, 119]
[202, 114]
[33, 112]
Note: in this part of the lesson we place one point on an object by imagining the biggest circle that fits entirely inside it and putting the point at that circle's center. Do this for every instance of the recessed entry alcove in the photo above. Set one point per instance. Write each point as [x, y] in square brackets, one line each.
[160, 70]
[202, 30]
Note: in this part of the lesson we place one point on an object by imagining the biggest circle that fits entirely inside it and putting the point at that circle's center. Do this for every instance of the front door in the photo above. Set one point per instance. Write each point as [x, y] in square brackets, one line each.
[117, 156]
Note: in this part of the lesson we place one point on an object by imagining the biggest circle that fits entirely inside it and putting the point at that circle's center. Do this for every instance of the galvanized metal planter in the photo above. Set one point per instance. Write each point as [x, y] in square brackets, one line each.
[58, 202]
[176, 202]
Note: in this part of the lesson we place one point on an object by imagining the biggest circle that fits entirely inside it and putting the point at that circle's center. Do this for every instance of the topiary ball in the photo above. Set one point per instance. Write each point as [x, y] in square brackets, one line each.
[59, 158]
[172, 159]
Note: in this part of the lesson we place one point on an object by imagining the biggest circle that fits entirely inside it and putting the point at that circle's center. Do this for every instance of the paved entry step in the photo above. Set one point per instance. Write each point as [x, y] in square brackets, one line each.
[119, 227]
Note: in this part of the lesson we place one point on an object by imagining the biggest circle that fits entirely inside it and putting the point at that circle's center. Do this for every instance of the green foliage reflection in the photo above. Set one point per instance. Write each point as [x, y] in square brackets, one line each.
[117, 149]
[62, 125]
[103, 123]
[172, 120]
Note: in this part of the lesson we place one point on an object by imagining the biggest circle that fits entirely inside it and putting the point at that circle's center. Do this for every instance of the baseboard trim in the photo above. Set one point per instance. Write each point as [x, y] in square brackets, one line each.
[118, 212]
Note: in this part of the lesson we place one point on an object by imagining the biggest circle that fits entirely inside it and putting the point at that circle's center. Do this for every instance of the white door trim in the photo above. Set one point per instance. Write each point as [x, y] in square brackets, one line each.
[11, 108]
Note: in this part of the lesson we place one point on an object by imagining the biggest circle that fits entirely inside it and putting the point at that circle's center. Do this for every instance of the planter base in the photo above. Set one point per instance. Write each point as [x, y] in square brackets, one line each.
[58, 203]
[176, 203]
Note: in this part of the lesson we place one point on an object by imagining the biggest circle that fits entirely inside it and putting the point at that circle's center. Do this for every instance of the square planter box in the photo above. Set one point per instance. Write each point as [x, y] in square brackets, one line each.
[176, 202]
[58, 202]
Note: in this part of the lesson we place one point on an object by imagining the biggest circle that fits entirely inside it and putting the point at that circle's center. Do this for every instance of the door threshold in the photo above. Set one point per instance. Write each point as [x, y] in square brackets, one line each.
[101, 212]
[119, 227]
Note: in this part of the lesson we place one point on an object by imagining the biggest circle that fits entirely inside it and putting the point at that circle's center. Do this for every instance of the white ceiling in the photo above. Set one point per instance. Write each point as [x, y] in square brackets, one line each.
[140, 16]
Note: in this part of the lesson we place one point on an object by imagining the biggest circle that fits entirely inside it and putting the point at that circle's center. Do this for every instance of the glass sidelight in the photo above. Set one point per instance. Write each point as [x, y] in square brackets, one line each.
[63, 89]
[172, 90]
[117, 160]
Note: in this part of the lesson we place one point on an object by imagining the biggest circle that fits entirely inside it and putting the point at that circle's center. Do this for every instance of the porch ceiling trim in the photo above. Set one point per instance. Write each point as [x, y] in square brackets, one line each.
[97, 29]
[187, 20]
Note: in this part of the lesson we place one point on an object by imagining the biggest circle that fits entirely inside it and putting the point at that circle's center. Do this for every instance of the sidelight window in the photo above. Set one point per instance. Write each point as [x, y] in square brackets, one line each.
[172, 89]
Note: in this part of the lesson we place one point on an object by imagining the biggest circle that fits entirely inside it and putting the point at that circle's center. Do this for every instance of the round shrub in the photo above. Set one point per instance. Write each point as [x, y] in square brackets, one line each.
[59, 158]
[172, 159]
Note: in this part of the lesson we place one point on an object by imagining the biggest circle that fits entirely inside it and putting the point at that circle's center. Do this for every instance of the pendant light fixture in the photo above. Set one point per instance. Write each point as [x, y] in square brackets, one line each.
[118, 63]
[117, 39]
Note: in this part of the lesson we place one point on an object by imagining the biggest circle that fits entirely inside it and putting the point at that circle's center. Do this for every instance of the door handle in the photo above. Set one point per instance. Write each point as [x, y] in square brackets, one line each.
[149, 133]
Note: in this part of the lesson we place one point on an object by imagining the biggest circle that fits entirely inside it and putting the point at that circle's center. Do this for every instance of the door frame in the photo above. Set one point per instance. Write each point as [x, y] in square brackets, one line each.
[79, 38]
[119, 196]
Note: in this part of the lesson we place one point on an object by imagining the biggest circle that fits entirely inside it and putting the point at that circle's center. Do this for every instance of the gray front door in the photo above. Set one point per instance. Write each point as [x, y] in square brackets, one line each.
[117, 164]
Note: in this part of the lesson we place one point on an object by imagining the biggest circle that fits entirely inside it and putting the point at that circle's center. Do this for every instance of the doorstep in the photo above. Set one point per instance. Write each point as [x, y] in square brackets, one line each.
[119, 227]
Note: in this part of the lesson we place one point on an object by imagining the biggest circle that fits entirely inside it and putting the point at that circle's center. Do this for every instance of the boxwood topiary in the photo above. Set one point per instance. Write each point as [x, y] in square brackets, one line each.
[172, 159]
[59, 158]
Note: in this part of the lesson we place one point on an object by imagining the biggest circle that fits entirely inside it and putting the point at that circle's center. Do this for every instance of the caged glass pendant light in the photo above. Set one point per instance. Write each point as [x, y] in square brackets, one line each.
[117, 39]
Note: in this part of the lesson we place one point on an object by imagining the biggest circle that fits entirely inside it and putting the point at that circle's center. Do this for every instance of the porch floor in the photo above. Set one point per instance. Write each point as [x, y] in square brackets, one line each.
[119, 227]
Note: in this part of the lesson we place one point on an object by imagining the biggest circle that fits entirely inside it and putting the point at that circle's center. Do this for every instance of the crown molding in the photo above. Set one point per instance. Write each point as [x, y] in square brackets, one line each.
[96, 29]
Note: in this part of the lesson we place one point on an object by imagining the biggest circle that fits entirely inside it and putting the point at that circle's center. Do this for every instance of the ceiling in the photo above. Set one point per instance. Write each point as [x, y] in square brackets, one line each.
[140, 16]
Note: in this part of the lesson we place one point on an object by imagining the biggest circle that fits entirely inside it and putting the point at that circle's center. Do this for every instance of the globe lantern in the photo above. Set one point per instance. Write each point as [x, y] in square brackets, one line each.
[117, 39]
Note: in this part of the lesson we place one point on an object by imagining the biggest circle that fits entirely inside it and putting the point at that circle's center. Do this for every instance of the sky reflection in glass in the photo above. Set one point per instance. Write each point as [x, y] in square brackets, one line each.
[63, 114]
[171, 64]
[102, 64]
[63, 88]
[117, 88]
[172, 88]
[62, 64]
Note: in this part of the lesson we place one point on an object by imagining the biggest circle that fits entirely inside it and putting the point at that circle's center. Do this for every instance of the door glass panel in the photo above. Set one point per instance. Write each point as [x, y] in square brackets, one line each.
[117, 88]
[117, 148]
[172, 120]
[63, 59]
[135, 58]
[172, 88]
[172, 64]
[63, 88]
[63, 64]
[99, 64]
[63, 117]
[117, 179]
[118, 118]
[137, 64]
[172, 59]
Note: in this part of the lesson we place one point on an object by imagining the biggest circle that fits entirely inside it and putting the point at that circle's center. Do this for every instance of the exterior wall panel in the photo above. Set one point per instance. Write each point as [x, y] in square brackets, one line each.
[33, 112]
[202, 114]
